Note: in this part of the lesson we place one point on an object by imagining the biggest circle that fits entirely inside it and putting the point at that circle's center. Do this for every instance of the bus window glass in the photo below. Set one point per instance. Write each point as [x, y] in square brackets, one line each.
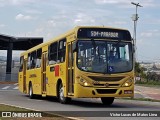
[53, 53]
[62, 50]
[38, 59]
[28, 62]
[33, 59]
[21, 64]
[120, 56]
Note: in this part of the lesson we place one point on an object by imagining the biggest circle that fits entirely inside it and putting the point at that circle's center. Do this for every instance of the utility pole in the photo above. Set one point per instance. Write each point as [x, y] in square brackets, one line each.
[135, 19]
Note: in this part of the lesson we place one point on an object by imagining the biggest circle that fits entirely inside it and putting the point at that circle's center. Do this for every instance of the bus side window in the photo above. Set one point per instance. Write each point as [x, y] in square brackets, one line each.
[28, 62]
[33, 59]
[53, 53]
[38, 58]
[62, 50]
[21, 64]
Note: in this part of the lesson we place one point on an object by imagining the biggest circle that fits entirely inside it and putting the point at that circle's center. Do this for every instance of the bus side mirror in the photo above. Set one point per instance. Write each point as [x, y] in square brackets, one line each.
[74, 47]
[133, 46]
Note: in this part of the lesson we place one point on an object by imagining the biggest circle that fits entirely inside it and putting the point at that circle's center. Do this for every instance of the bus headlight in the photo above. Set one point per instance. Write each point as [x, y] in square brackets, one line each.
[84, 82]
[128, 83]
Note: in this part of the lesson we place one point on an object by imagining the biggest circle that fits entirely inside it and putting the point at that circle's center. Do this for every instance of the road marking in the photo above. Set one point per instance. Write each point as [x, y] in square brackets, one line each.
[75, 118]
[137, 92]
[147, 97]
[4, 88]
[16, 84]
[15, 88]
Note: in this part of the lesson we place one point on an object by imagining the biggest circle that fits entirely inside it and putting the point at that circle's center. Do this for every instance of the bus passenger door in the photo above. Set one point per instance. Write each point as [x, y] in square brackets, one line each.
[70, 69]
[24, 75]
[44, 59]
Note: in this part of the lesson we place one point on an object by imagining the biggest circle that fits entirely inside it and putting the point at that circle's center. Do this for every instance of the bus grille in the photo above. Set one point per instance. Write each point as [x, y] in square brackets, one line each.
[109, 79]
[106, 91]
[109, 85]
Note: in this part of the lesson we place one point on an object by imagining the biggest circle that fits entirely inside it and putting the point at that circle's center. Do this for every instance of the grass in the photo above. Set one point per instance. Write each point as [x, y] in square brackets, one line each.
[149, 83]
[10, 108]
[142, 99]
[47, 116]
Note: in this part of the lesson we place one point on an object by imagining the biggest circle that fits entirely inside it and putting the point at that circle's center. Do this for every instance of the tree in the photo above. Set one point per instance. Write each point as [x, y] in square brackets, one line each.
[137, 69]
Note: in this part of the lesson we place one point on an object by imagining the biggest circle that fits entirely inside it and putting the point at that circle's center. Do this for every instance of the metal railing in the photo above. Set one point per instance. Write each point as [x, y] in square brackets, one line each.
[13, 77]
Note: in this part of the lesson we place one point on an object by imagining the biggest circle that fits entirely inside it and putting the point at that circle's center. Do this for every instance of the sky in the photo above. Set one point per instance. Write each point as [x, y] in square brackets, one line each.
[50, 18]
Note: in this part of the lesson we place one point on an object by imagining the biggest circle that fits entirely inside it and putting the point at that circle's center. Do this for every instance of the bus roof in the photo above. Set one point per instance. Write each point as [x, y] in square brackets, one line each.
[74, 30]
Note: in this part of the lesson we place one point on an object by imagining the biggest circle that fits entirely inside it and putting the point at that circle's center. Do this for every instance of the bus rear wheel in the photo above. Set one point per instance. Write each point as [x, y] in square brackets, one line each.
[31, 95]
[61, 97]
[107, 100]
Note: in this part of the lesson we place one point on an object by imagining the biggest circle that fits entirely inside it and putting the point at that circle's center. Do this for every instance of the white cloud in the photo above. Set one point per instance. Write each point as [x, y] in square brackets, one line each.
[83, 19]
[51, 23]
[120, 22]
[17, 2]
[20, 2]
[126, 3]
[32, 11]
[149, 3]
[2, 25]
[146, 34]
[111, 1]
[77, 21]
[150, 33]
[23, 17]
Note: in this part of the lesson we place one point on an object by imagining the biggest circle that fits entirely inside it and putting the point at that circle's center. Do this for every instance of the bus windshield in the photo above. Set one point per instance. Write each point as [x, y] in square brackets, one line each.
[104, 56]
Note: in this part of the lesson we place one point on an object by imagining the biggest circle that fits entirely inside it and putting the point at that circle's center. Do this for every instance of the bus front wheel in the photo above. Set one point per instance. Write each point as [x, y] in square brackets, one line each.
[61, 97]
[31, 95]
[107, 100]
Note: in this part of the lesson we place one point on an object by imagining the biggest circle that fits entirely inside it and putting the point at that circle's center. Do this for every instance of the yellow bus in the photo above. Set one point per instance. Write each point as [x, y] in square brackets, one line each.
[86, 62]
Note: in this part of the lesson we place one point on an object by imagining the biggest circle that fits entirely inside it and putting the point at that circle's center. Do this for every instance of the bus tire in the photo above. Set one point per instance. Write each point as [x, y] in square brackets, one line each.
[31, 95]
[107, 100]
[61, 97]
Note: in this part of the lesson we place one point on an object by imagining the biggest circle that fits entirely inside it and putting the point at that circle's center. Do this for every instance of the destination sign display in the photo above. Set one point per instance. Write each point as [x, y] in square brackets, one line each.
[101, 33]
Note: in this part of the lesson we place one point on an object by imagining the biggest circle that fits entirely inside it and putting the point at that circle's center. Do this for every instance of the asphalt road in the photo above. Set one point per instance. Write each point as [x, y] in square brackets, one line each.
[14, 97]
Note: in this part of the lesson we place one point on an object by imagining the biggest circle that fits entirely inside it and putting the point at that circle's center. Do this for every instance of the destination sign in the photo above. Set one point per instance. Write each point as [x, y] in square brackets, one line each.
[104, 33]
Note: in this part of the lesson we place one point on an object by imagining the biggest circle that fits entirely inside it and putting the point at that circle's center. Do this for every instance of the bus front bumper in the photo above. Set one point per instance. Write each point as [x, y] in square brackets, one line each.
[95, 92]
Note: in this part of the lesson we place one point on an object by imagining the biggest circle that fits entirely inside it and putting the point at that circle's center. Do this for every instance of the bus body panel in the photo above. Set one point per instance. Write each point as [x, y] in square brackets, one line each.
[20, 82]
[37, 81]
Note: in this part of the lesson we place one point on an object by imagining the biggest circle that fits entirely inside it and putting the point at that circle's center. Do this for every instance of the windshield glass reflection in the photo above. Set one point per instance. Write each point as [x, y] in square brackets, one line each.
[104, 57]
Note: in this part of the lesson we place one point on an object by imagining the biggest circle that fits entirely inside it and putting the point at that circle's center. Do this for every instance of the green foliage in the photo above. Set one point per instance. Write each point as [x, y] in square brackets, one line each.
[139, 71]
[137, 68]
[151, 78]
[148, 82]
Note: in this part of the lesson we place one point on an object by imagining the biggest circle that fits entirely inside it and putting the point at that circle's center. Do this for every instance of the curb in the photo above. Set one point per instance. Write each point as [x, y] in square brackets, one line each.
[8, 82]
